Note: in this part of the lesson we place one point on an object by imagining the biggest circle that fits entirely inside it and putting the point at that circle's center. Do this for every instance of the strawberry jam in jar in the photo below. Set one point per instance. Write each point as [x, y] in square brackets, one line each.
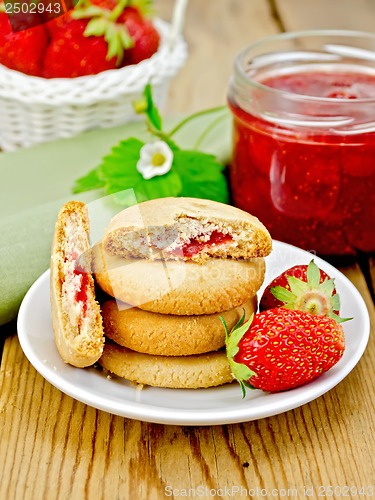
[304, 139]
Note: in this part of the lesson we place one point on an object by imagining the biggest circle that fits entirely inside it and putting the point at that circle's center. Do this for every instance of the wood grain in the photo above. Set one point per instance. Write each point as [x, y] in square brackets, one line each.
[323, 14]
[215, 30]
[52, 446]
[52, 442]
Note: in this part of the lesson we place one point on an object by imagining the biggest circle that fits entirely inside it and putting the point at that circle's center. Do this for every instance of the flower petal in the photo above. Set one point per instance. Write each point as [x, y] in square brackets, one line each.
[145, 165]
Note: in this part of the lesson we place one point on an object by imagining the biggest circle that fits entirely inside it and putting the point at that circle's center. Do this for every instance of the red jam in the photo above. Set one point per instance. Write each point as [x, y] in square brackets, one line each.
[195, 246]
[310, 187]
[81, 294]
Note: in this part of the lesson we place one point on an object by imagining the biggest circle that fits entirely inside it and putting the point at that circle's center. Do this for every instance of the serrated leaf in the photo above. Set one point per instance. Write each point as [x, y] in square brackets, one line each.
[241, 371]
[235, 336]
[115, 48]
[87, 12]
[328, 286]
[297, 286]
[282, 294]
[159, 187]
[242, 374]
[126, 39]
[96, 27]
[338, 319]
[335, 302]
[122, 161]
[313, 274]
[202, 176]
[88, 182]
[225, 328]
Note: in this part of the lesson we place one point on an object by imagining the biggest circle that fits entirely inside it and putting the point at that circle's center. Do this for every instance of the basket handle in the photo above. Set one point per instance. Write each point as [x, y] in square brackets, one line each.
[178, 19]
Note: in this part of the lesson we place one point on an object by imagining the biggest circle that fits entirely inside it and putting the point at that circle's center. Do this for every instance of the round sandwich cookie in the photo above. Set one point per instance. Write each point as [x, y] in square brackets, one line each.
[177, 372]
[169, 335]
[179, 287]
[187, 229]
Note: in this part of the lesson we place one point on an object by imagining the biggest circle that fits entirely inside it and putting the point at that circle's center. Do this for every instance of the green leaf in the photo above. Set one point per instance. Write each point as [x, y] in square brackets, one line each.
[241, 371]
[144, 6]
[335, 302]
[96, 27]
[282, 294]
[297, 286]
[115, 48]
[328, 286]
[225, 328]
[313, 275]
[88, 182]
[202, 176]
[88, 12]
[235, 336]
[126, 39]
[122, 160]
[158, 187]
[118, 171]
[241, 321]
[338, 319]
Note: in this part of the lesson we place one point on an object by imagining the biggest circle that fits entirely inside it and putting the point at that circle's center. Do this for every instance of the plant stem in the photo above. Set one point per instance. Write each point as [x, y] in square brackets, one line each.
[118, 10]
[192, 117]
[208, 129]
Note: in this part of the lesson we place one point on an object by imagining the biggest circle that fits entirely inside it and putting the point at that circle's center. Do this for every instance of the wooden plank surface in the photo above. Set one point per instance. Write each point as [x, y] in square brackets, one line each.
[215, 30]
[51, 441]
[52, 446]
[326, 14]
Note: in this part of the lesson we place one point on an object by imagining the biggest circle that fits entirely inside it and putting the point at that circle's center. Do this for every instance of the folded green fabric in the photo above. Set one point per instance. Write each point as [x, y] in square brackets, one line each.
[36, 182]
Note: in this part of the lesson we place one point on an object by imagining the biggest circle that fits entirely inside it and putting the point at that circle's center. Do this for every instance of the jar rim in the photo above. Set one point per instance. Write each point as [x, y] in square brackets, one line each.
[240, 72]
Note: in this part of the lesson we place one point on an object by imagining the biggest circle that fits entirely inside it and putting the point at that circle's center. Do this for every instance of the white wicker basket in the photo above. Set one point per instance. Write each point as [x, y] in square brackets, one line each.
[34, 110]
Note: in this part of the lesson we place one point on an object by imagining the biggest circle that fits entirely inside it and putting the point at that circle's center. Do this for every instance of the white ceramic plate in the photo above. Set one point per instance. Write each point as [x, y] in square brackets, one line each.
[221, 405]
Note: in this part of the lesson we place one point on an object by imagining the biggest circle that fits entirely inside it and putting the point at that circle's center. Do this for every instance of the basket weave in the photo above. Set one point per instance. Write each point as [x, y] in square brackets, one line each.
[34, 110]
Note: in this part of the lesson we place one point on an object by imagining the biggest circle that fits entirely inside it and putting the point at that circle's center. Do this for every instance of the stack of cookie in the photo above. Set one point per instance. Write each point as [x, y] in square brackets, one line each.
[174, 266]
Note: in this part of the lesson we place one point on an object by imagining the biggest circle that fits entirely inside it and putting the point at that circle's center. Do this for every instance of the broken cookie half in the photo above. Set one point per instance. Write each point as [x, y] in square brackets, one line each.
[188, 229]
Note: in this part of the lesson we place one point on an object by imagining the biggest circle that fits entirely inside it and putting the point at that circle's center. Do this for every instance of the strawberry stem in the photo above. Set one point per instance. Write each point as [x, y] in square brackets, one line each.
[192, 117]
[117, 11]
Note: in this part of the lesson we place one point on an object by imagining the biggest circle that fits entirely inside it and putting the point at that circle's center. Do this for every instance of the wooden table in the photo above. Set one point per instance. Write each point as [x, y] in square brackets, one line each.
[55, 447]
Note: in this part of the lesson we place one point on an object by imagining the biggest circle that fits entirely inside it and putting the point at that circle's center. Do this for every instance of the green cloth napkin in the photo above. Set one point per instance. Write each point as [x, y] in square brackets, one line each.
[36, 182]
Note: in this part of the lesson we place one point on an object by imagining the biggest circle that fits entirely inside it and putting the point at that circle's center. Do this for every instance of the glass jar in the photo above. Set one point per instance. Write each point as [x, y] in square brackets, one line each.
[303, 162]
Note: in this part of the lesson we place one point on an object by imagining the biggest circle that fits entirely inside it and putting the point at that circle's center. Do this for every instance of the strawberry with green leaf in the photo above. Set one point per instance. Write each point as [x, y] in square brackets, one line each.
[144, 35]
[100, 35]
[303, 287]
[280, 349]
[88, 43]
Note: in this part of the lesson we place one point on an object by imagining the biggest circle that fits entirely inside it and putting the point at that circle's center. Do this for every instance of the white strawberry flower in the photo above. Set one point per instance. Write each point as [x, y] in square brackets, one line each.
[155, 159]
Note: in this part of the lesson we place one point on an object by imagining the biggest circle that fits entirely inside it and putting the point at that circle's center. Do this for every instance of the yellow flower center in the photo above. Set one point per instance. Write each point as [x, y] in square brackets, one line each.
[158, 159]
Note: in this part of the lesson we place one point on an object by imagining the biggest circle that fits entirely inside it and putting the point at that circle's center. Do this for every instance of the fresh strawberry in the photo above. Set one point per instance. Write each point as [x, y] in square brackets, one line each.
[282, 349]
[145, 37]
[105, 4]
[71, 54]
[22, 50]
[306, 288]
[55, 25]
